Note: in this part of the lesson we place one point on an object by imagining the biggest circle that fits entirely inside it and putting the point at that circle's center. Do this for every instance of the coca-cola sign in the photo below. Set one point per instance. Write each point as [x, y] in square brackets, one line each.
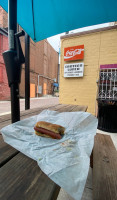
[74, 53]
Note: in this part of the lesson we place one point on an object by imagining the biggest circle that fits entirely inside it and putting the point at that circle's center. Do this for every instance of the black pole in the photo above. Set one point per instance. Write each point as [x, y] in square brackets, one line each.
[27, 71]
[12, 29]
[12, 23]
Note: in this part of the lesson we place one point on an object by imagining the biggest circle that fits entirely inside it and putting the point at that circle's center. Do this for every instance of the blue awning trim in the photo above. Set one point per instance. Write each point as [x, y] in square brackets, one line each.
[55, 84]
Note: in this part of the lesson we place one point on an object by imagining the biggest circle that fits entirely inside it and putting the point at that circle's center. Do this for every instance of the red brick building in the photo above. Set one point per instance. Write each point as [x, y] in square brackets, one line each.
[43, 68]
[43, 65]
[4, 88]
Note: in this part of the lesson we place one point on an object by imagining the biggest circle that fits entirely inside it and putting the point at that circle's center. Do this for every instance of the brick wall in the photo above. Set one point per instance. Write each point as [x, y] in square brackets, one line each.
[43, 61]
[3, 18]
[4, 88]
[99, 48]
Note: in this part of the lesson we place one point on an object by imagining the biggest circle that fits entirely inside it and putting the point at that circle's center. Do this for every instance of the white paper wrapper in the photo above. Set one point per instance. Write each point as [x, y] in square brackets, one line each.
[65, 161]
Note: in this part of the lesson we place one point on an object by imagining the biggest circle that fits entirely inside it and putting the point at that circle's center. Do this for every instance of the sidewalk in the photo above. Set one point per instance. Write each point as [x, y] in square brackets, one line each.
[5, 106]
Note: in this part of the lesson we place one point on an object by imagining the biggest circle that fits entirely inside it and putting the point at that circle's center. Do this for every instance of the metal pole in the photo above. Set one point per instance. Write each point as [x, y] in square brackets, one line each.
[12, 29]
[27, 71]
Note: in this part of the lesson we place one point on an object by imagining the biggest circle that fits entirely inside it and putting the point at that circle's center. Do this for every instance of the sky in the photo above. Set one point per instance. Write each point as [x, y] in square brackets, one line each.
[55, 40]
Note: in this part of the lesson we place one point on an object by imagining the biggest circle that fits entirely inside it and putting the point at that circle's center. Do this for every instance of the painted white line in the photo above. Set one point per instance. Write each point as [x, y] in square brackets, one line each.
[5, 113]
[5, 102]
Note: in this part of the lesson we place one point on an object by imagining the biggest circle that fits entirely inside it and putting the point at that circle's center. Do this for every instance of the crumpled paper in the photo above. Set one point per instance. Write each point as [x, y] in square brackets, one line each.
[65, 161]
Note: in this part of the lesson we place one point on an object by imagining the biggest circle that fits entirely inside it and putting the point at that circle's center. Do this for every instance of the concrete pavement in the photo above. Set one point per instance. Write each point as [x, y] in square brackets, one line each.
[5, 106]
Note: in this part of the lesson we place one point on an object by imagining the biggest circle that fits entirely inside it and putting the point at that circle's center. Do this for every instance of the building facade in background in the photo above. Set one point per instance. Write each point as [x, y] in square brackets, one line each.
[43, 69]
[43, 65]
[79, 75]
[4, 88]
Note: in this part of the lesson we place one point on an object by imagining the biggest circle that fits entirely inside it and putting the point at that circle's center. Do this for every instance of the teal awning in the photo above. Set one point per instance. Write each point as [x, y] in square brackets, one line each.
[45, 18]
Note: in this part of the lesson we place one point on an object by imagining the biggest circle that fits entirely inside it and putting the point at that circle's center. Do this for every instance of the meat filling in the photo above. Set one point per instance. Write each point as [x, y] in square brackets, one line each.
[48, 132]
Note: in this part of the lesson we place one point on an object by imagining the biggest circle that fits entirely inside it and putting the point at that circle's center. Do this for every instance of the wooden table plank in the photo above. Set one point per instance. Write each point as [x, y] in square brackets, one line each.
[79, 108]
[59, 108]
[104, 168]
[26, 112]
[30, 113]
[34, 111]
[6, 152]
[21, 178]
[88, 190]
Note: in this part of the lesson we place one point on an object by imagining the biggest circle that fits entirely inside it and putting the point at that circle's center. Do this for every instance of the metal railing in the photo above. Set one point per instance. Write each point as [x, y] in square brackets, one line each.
[107, 85]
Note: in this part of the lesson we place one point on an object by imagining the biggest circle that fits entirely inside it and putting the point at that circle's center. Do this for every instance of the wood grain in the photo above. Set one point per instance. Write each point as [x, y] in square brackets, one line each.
[35, 110]
[80, 108]
[6, 152]
[88, 190]
[32, 112]
[104, 168]
[21, 178]
[26, 112]
[6, 119]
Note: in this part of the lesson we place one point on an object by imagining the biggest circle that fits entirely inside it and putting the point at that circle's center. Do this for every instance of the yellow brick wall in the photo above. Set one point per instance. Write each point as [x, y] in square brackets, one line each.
[99, 48]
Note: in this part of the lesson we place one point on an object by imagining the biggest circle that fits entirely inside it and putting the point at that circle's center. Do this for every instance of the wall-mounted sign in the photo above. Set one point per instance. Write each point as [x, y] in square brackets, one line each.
[74, 53]
[108, 66]
[74, 70]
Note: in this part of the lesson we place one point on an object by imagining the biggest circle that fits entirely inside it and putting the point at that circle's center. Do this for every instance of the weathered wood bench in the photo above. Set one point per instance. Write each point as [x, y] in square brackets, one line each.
[104, 168]
[20, 176]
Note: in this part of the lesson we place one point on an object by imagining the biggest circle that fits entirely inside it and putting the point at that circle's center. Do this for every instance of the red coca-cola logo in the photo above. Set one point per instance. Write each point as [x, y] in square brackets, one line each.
[74, 53]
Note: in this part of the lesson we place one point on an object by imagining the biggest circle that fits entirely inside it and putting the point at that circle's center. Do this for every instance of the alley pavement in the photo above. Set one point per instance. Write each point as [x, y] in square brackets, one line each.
[5, 106]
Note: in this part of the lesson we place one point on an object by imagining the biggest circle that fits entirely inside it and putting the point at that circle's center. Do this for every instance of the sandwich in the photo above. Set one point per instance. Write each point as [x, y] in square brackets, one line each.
[46, 129]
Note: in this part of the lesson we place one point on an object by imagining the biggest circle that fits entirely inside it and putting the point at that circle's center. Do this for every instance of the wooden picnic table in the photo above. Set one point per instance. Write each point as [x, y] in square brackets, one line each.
[104, 167]
[20, 177]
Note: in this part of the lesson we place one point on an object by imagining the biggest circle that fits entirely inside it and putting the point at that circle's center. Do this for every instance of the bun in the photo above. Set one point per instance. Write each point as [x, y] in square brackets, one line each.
[42, 135]
[46, 129]
[52, 127]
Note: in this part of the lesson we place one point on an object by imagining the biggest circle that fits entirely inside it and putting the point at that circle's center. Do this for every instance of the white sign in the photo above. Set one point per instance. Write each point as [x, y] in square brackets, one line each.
[74, 70]
[40, 89]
